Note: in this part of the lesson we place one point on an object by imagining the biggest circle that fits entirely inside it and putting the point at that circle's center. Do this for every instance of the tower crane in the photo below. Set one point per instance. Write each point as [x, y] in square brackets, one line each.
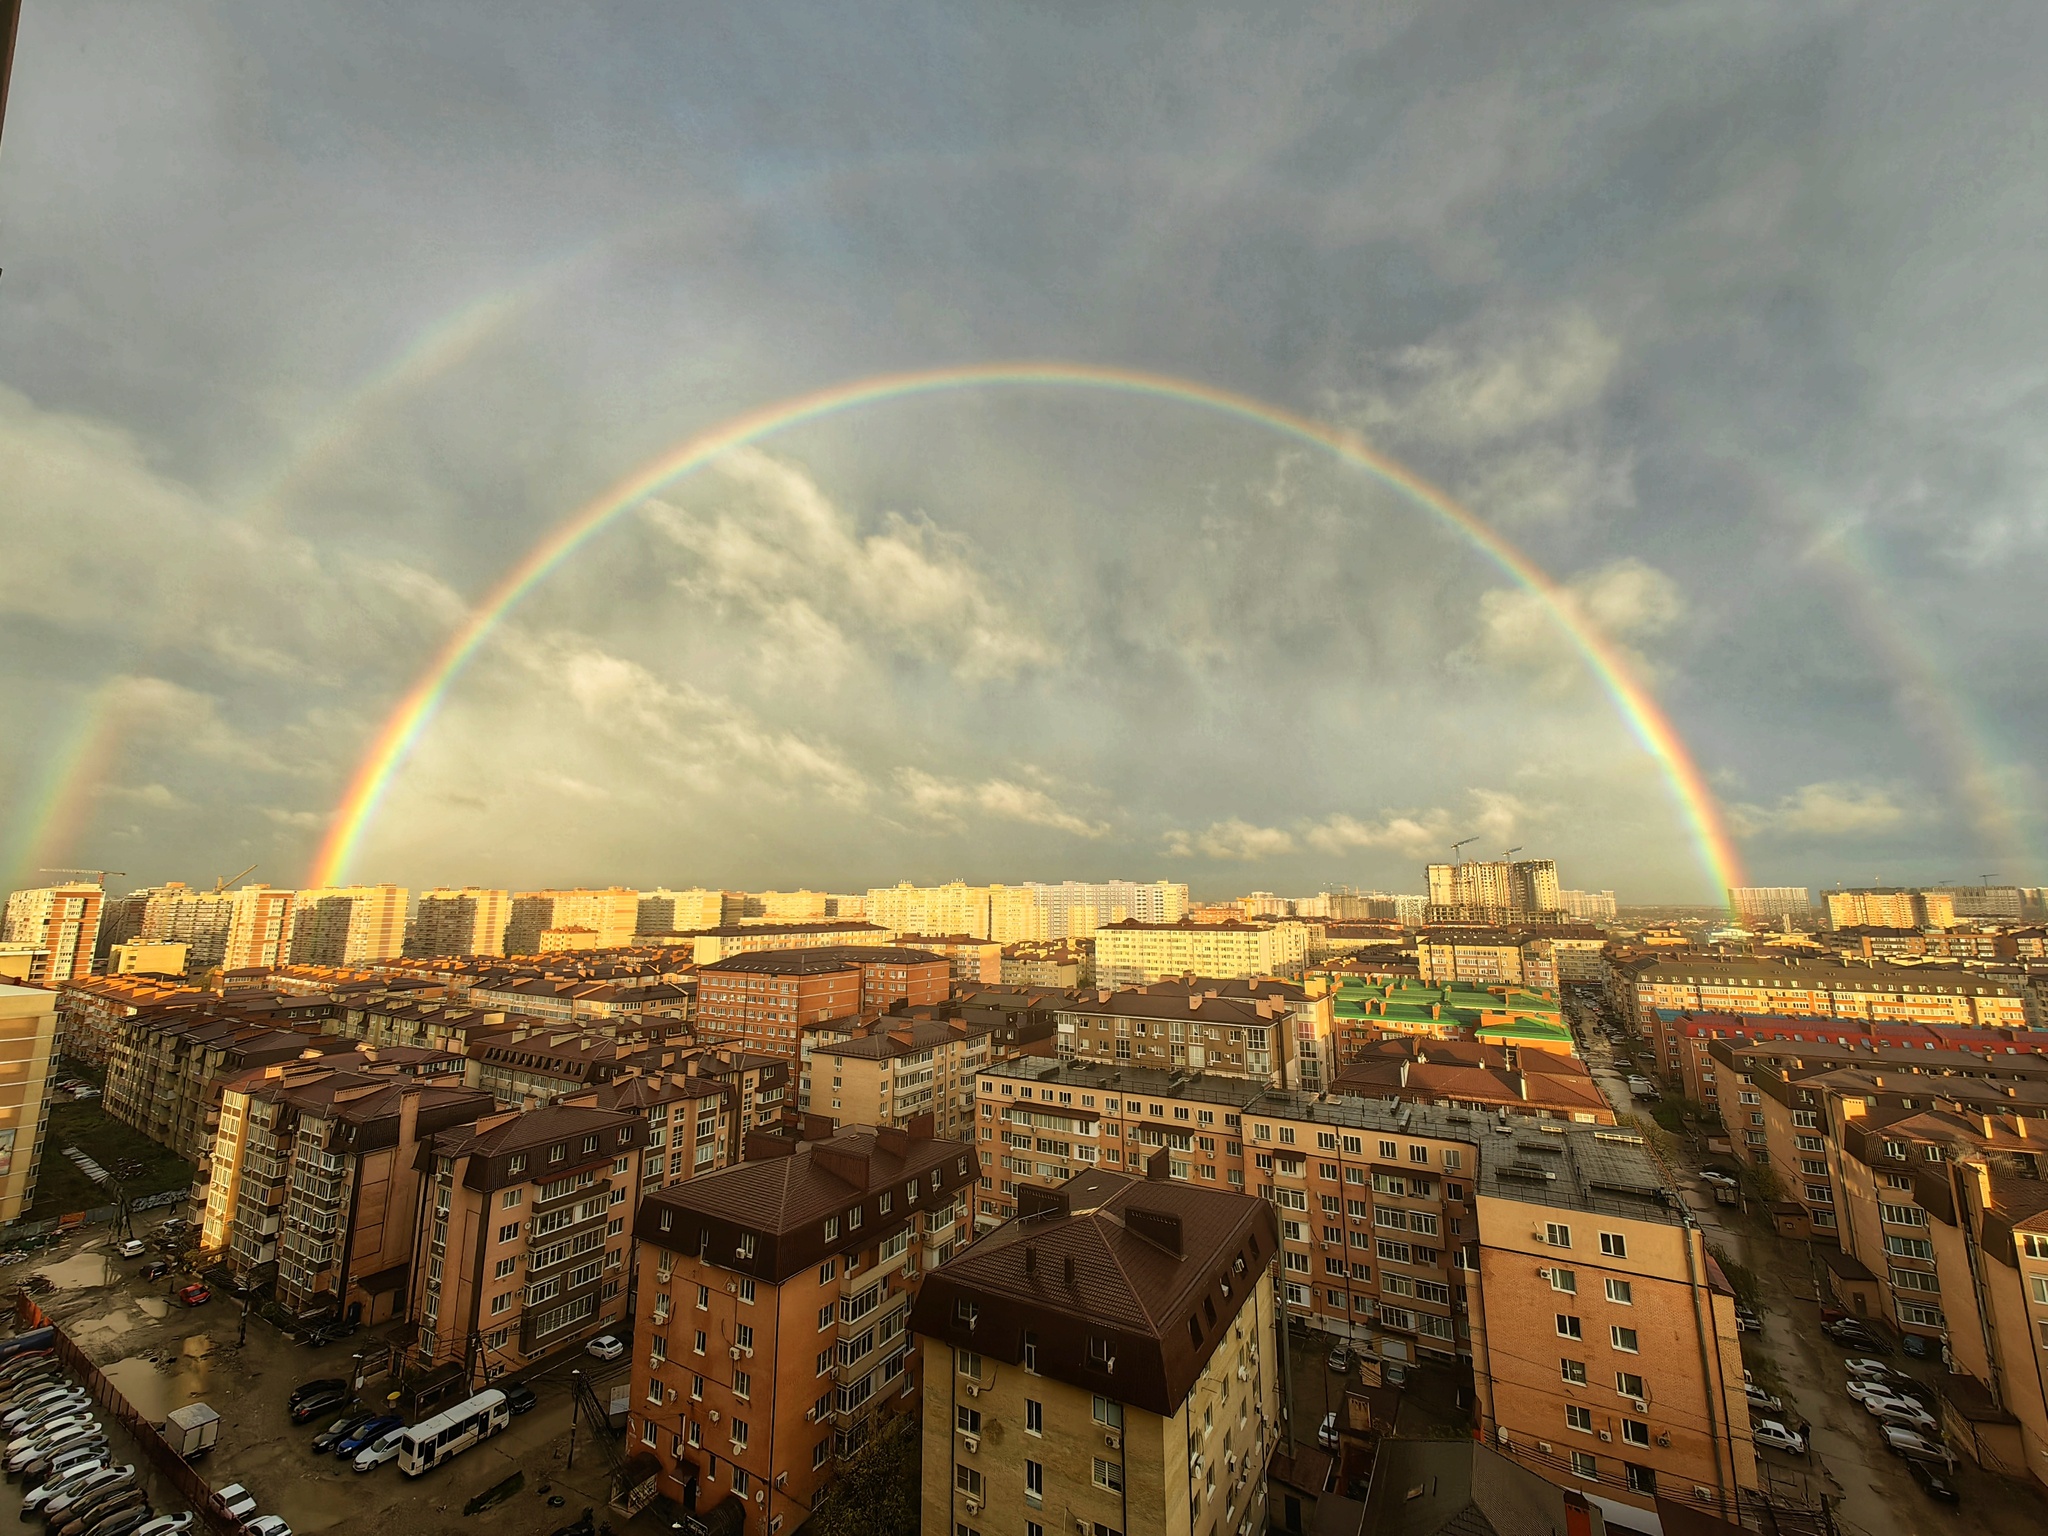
[99, 875]
[1512, 851]
[221, 885]
[1460, 844]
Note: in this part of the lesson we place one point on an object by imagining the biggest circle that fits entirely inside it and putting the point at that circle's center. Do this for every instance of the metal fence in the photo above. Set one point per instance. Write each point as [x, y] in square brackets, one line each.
[176, 1471]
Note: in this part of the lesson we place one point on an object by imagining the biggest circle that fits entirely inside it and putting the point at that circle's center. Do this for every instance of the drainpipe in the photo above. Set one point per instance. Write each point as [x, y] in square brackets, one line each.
[1718, 1429]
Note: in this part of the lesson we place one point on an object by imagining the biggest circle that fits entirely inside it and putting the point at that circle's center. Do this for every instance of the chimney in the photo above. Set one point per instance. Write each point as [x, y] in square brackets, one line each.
[1069, 1268]
[1030, 1258]
[1159, 1165]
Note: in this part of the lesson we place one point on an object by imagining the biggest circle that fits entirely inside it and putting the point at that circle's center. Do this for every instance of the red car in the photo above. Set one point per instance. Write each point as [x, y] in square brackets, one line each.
[195, 1295]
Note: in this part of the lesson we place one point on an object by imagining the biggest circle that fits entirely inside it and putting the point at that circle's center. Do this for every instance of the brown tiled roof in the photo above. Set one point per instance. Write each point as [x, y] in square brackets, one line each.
[534, 1128]
[781, 1194]
[826, 957]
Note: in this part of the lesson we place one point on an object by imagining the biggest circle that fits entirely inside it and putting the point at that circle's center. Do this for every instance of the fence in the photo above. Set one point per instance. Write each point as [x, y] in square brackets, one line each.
[21, 1229]
[175, 1470]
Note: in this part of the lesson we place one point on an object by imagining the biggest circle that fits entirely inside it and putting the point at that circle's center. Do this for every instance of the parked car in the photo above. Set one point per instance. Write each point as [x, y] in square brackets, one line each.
[267, 1525]
[605, 1347]
[195, 1295]
[1759, 1398]
[133, 1248]
[318, 1384]
[156, 1269]
[1870, 1370]
[62, 1478]
[370, 1429]
[1326, 1434]
[1935, 1484]
[329, 1439]
[319, 1404]
[1904, 1413]
[1917, 1447]
[1855, 1335]
[166, 1525]
[1340, 1358]
[1716, 1176]
[1864, 1391]
[239, 1500]
[520, 1399]
[1775, 1435]
[379, 1451]
[328, 1333]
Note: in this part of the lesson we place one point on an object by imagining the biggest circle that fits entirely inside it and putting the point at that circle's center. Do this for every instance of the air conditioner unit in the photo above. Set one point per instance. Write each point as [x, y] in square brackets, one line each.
[973, 1443]
[1702, 1491]
[1244, 1373]
[1664, 1439]
[1545, 1273]
[734, 1351]
[1606, 1434]
[1114, 1442]
[1080, 1526]
[733, 1287]
[973, 1505]
[714, 1415]
[1641, 1406]
[1543, 1446]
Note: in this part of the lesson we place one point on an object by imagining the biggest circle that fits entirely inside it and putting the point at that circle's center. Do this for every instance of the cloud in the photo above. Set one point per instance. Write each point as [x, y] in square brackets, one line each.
[1232, 840]
[158, 797]
[1492, 817]
[1834, 808]
[1627, 601]
[942, 800]
[781, 552]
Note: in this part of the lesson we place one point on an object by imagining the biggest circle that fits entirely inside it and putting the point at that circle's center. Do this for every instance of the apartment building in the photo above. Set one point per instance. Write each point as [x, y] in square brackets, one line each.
[893, 1073]
[62, 921]
[312, 1192]
[1493, 890]
[468, 921]
[1364, 1008]
[1495, 1080]
[1044, 964]
[612, 914]
[91, 1010]
[1890, 907]
[975, 962]
[348, 925]
[259, 929]
[911, 909]
[1807, 989]
[1764, 906]
[1587, 906]
[763, 999]
[1108, 1360]
[1131, 953]
[1606, 1354]
[664, 911]
[140, 958]
[692, 1122]
[523, 1237]
[773, 1299]
[29, 1043]
[730, 939]
[1172, 1029]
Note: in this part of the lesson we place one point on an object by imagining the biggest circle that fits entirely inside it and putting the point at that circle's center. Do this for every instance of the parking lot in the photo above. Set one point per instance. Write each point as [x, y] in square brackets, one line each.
[163, 1355]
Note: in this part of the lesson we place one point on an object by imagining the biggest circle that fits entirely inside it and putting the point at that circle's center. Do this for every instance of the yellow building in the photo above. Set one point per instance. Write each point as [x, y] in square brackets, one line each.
[1883, 907]
[28, 1050]
[259, 929]
[140, 959]
[1131, 953]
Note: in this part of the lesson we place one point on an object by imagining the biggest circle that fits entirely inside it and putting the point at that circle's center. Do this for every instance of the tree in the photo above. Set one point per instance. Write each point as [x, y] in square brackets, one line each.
[880, 1488]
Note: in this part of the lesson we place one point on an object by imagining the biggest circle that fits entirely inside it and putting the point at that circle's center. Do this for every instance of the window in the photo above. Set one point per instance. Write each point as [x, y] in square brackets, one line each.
[1635, 1432]
[511, 1198]
[1557, 1234]
[968, 1481]
[1573, 1371]
[746, 1290]
[1624, 1340]
[967, 1420]
[505, 1267]
[826, 1270]
[1568, 1327]
[1030, 1351]
[825, 1317]
[1628, 1384]
[1621, 1293]
[1566, 1280]
[701, 1343]
[1641, 1479]
[1614, 1245]
[1109, 1474]
[501, 1303]
[509, 1232]
[1034, 1481]
[1585, 1464]
[1576, 1417]
[1101, 1352]
[967, 1363]
[1034, 1416]
[1109, 1413]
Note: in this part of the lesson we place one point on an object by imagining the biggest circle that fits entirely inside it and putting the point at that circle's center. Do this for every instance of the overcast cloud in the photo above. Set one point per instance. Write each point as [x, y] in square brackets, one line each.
[1732, 315]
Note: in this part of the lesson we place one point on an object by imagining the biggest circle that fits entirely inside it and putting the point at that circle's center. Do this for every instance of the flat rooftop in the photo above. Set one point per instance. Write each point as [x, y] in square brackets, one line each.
[1605, 1170]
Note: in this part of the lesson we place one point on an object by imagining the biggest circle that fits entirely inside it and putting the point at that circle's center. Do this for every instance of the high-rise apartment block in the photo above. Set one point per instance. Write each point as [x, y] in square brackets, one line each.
[691, 911]
[764, 1000]
[347, 925]
[28, 1059]
[524, 1234]
[1765, 905]
[259, 929]
[1131, 953]
[1890, 907]
[613, 915]
[773, 1300]
[1588, 906]
[1109, 1360]
[893, 1074]
[730, 939]
[469, 921]
[1012, 914]
[63, 921]
[201, 920]
[1493, 891]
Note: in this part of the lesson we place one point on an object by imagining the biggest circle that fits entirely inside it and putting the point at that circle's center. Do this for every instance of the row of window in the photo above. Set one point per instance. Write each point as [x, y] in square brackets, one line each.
[1613, 1245]
[1570, 1326]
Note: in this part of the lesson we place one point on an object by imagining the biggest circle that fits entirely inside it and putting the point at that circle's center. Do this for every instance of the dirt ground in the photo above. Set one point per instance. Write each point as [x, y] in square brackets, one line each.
[163, 1354]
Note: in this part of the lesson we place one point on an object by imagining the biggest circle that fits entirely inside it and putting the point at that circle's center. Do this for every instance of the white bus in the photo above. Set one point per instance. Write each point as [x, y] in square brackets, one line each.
[433, 1441]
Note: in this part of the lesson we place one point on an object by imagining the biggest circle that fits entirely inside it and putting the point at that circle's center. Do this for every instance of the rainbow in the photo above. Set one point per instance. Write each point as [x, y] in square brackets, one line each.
[402, 730]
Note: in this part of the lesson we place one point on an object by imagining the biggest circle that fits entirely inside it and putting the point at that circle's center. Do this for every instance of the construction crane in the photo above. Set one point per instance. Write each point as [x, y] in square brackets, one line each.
[1460, 844]
[1512, 851]
[221, 885]
[99, 875]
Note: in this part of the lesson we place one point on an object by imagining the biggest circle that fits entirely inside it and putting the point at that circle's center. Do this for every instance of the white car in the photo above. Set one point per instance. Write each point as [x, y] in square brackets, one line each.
[1904, 1415]
[165, 1525]
[267, 1525]
[1326, 1435]
[1775, 1435]
[1759, 1398]
[239, 1500]
[1866, 1369]
[605, 1347]
[1916, 1447]
[1872, 1391]
[134, 1248]
[63, 1473]
[376, 1453]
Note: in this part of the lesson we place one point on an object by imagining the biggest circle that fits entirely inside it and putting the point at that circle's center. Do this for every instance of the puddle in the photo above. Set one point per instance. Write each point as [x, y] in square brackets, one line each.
[155, 1390]
[152, 1307]
[80, 1272]
[111, 1324]
[198, 1346]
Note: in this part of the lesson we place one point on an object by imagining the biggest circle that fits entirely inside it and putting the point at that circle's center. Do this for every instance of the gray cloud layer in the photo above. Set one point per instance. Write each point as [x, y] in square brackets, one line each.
[1731, 314]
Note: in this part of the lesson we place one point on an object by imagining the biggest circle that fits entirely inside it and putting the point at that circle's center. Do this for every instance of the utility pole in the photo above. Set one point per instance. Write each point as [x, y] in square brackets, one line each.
[575, 1399]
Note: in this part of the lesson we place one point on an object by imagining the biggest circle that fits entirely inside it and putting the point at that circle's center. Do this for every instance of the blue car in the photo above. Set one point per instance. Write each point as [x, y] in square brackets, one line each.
[384, 1423]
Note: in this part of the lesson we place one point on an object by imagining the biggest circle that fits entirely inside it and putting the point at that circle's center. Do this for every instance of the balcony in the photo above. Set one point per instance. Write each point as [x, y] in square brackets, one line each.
[542, 1207]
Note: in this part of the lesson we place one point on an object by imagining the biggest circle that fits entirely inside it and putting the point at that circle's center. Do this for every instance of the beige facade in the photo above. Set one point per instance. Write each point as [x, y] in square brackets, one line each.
[1911, 995]
[140, 959]
[1131, 953]
[469, 920]
[175, 912]
[62, 921]
[896, 1074]
[347, 925]
[259, 929]
[28, 1052]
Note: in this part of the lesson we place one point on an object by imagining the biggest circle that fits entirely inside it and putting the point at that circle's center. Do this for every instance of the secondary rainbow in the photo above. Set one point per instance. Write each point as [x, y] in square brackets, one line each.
[401, 731]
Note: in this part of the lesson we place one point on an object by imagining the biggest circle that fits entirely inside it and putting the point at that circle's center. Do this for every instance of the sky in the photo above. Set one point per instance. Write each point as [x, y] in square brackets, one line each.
[1729, 316]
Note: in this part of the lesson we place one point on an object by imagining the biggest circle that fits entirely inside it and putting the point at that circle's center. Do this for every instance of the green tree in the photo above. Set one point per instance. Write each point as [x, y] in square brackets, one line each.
[879, 1490]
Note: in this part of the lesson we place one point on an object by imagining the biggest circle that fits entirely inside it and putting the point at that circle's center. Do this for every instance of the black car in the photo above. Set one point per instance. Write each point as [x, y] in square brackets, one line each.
[306, 1389]
[320, 1404]
[328, 1333]
[325, 1442]
[1934, 1481]
[1852, 1333]
[519, 1398]
[156, 1269]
